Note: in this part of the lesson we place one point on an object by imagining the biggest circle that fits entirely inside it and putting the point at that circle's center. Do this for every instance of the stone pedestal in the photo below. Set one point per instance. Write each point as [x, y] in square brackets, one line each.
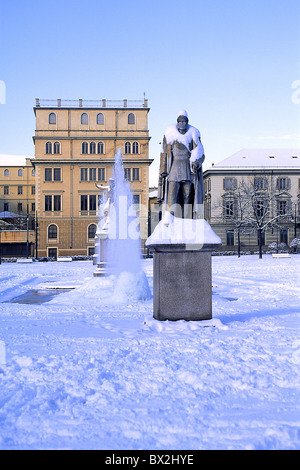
[102, 245]
[182, 278]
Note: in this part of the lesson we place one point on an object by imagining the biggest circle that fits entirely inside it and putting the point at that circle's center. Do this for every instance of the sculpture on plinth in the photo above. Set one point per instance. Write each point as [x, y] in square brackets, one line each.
[182, 242]
[180, 186]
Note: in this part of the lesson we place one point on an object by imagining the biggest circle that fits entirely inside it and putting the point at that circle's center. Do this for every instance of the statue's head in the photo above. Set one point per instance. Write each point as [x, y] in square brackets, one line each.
[182, 121]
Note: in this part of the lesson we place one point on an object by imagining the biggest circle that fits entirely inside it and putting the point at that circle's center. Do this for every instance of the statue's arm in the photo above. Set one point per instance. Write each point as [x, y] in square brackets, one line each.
[197, 155]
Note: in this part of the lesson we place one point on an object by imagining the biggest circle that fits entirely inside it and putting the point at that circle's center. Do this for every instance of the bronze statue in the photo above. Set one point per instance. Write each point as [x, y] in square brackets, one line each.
[180, 184]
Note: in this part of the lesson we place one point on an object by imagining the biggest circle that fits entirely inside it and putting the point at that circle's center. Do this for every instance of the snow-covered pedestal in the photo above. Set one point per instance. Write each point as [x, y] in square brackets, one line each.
[101, 248]
[182, 281]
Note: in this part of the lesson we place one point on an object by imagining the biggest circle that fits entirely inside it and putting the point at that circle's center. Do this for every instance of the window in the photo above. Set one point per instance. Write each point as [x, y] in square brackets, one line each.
[229, 183]
[229, 208]
[260, 183]
[84, 118]
[92, 147]
[136, 199]
[127, 147]
[135, 174]
[20, 207]
[84, 148]
[83, 202]
[6, 190]
[131, 118]
[283, 183]
[6, 207]
[57, 174]
[92, 231]
[33, 207]
[48, 174]
[52, 253]
[20, 172]
[92, 201]
[48, 203]
[32, 190]
[33, 172]
[57, 203]
[281, 207]
[100, 118]
[101, 174]
[100, 147]
[48, 147]
[230, 238]
[83, 174]
[135, 147]
[92, 174]
[127, 173]
[52, 118]
[20, 189]
[56, 147]
[6, 172]
[284, 236]
[52, 232]
[260, 209]
[88, 202]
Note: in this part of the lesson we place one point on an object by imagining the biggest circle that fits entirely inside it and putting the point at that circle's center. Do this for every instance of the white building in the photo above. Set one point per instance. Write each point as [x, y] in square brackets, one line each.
[274, 174]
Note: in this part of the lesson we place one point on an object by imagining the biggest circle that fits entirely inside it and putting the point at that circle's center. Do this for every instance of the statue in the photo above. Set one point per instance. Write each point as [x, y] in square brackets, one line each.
[180, 186]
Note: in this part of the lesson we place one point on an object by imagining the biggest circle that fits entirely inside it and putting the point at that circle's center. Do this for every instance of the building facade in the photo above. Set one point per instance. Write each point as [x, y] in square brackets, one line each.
[75, 146]
[17, 206]
[267, 179]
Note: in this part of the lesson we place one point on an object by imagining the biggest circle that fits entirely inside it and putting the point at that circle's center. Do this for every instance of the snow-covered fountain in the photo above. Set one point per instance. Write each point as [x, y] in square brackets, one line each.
[118, 238]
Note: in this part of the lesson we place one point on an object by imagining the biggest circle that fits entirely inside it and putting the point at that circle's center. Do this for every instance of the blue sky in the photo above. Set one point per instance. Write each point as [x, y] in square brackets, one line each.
[231, 64]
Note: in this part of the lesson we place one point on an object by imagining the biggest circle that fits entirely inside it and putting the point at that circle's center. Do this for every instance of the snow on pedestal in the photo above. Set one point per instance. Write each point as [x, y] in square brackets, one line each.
[182, 285]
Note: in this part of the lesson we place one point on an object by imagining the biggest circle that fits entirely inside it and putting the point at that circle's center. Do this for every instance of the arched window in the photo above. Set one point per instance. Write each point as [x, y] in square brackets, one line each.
[100, 147]
[135, 147]
[52, 118]
[131, 118]
[48, 147]
[92, 147]
[92, 231]
[84, 147]
[20, 172]
[127, 147]
[56, 147]
[100, 118]
[6, 172]
[52, 232]
[84, 118]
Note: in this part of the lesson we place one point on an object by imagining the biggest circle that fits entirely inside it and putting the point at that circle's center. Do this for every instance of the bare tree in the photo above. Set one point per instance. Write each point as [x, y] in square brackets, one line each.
[255, 205]
[267, 205]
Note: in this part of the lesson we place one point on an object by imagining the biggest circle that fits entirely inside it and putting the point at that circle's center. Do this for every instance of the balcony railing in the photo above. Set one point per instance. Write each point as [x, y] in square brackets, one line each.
[80, 103]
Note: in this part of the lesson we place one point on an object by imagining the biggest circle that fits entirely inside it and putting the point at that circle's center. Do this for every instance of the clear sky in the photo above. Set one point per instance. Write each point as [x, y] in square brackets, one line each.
[232, 64]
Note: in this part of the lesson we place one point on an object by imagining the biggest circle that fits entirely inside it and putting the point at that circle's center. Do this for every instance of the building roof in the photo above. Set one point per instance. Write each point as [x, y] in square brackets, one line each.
[261, 158]
[13, 160]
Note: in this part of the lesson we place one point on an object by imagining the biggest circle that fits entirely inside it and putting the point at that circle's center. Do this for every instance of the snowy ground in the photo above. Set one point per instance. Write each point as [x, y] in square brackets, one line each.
[85, 372]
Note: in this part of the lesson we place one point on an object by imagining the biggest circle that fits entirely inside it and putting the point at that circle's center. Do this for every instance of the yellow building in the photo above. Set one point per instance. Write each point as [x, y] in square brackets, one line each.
[75, 146]
[17, 206]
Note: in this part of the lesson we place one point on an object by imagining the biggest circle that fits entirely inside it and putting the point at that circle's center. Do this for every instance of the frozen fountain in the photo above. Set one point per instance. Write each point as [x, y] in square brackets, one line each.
[118, 243]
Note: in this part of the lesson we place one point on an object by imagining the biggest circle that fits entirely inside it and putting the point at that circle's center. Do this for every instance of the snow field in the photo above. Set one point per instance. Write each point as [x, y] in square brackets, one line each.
[85, 371]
